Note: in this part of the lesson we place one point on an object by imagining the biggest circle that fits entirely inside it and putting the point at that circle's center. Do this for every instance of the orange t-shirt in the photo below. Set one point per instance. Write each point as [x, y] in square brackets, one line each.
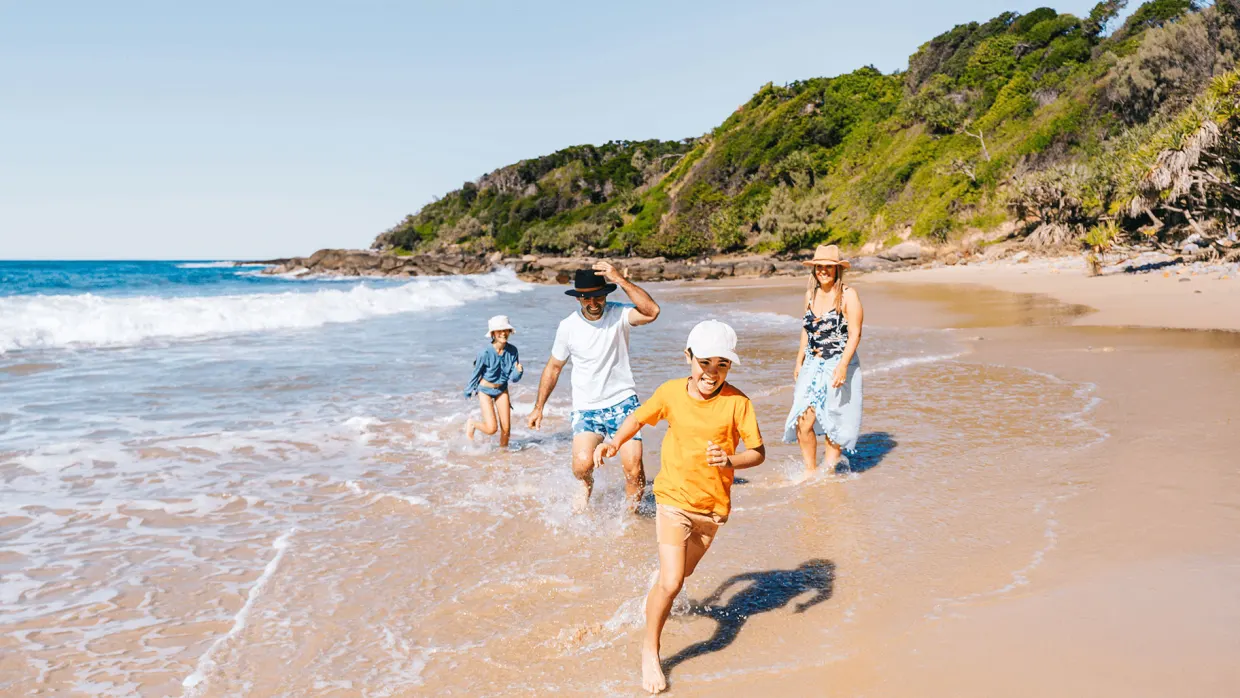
[685, 480]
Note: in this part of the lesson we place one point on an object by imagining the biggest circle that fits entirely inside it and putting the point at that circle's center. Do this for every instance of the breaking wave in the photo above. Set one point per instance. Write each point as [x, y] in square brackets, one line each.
[88, 320]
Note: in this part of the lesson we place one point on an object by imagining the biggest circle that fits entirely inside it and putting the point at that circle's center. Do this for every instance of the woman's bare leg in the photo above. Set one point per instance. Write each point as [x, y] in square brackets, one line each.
[834, 453]
[808, 440]
[503, 407]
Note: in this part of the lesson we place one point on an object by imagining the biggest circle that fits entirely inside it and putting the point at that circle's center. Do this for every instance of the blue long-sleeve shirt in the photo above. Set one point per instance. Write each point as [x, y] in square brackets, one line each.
[494, 368]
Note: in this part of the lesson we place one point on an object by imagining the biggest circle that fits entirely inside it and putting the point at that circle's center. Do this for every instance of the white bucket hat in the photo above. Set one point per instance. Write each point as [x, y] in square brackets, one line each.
[711, 338]
[499, 322]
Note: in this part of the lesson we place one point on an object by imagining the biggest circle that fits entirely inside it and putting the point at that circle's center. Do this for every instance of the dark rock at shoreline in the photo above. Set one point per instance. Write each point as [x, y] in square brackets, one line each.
[543, 269]
[861, 264]
[368, 263]
[903, 252]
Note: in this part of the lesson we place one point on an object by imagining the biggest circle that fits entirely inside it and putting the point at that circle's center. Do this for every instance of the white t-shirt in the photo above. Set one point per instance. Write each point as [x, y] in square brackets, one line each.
[600, 354]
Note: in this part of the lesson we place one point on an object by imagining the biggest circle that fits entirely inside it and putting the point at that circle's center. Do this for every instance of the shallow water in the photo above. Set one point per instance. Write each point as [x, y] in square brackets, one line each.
[261, 486]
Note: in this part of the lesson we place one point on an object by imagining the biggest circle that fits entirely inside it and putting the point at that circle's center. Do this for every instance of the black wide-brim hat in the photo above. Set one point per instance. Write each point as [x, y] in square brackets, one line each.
[588, 283]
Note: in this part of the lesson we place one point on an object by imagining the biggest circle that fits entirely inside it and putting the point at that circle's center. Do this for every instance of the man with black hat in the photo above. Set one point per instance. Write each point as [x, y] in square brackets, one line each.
[596, 338]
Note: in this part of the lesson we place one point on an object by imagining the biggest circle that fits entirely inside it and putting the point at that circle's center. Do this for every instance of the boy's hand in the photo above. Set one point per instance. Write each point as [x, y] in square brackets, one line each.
[715, 457]
[603, 450]
[517, 366]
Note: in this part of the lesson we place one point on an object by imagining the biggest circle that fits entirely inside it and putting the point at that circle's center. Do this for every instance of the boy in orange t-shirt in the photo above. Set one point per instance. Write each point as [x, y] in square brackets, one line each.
[707, 419]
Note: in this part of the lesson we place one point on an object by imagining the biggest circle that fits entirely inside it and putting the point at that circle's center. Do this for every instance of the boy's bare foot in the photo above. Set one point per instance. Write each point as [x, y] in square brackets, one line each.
[653, 679]
[469, 429]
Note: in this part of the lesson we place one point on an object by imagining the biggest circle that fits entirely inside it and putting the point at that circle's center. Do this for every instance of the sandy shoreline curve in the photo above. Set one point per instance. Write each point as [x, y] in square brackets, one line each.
[1130, 589]
[1176, 297]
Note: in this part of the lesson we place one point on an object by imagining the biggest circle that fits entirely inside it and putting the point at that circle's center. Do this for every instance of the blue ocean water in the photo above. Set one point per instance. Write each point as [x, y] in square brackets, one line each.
[165, 278]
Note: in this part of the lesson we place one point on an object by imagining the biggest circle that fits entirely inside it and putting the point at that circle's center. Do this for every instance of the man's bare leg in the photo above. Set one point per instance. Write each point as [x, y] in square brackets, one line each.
[634, 472]
[583, 467]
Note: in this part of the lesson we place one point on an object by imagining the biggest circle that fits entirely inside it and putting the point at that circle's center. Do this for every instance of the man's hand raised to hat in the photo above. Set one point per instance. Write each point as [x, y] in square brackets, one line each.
[609, 272]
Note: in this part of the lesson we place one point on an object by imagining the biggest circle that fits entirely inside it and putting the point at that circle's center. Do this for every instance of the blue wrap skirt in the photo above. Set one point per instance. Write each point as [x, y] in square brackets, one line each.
[837, 411]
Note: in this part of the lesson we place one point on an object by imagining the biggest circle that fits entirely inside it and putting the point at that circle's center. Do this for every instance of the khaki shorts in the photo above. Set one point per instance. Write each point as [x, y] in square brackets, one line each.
[675, 526]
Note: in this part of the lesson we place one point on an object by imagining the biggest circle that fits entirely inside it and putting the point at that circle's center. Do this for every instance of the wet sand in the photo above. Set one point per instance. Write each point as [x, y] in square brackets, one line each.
[1131, 589]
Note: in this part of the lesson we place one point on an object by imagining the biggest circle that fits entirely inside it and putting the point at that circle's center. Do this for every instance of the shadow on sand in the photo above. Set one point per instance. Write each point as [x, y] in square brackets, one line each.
[767, 591]
[872, 448]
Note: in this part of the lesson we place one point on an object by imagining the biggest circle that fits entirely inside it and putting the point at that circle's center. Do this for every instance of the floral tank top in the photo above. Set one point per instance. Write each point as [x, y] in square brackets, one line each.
[828, 333]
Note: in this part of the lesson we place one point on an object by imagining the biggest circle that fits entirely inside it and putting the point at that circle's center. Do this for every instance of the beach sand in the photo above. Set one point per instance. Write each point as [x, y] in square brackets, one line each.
[1040, 505]
[1174, 297]
[1129, 587]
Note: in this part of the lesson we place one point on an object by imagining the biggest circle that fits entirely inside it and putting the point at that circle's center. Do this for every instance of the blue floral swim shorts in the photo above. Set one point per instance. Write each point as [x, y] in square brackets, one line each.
[605, 421]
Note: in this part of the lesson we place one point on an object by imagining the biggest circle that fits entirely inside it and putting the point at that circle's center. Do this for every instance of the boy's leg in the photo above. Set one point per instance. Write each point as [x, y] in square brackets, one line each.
[503, 406]
[695, 548]
[583, 465]
[487, 404]
[634, 471]
[658, 607]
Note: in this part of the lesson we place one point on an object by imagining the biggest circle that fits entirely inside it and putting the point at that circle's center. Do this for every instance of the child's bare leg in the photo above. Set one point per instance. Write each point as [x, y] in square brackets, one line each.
[634, 472]
[503, 406]
[658, 607]
[487, 425]
[583, 466]
[807, 440]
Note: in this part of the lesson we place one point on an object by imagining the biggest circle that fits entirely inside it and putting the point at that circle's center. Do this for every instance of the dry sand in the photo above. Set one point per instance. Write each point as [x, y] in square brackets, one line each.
[1175, 297]
[1133, 592]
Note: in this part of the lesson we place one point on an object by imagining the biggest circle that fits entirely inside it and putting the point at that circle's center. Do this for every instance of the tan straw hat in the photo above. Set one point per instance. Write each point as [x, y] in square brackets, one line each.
[827, 255]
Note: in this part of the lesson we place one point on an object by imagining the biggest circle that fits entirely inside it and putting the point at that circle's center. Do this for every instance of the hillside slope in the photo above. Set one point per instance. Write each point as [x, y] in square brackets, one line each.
[1037, 118]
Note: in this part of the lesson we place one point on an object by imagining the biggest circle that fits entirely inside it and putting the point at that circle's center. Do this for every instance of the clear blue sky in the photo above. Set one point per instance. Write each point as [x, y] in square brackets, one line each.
[218, 130]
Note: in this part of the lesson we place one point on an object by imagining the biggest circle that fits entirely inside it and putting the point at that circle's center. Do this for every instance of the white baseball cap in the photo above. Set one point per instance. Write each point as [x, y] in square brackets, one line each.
[711, 338]
[499, 322]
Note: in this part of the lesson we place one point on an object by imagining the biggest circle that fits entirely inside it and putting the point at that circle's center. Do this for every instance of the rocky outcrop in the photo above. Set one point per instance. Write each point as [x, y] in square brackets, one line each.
[903, 252]
[544, 269]
[370, 263]
[560, 269]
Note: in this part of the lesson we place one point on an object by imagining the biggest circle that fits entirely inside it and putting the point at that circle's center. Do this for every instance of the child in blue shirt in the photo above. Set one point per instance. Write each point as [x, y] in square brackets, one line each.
[497, 364]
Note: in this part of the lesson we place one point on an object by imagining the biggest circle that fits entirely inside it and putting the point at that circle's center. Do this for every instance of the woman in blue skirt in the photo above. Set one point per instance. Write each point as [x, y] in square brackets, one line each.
[496, 365]
[827, 399]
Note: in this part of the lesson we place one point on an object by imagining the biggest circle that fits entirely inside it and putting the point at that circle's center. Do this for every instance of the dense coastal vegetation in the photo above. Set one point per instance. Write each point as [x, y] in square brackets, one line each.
[1077, 131]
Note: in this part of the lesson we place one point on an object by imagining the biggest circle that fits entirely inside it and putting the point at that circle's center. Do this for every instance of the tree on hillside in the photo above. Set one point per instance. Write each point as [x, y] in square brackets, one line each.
[1103, 14]
[1196, 168]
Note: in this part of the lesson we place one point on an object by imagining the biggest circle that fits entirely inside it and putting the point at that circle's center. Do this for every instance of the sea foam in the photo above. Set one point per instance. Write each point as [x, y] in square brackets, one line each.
[216, 265]
[88, 320]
